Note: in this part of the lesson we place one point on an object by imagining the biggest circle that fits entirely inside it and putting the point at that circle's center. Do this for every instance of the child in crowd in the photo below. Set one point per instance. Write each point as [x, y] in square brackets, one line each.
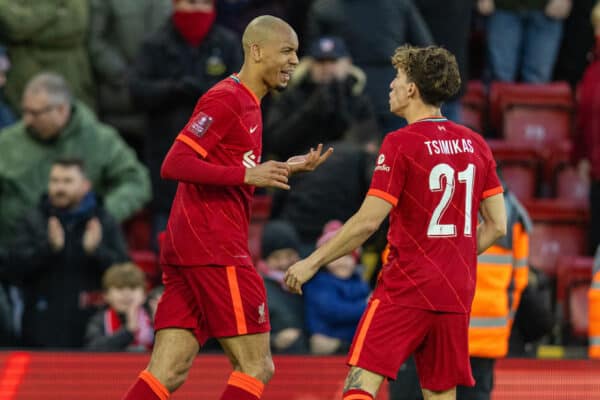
[334, 300]
[126, 323]
[280, 249]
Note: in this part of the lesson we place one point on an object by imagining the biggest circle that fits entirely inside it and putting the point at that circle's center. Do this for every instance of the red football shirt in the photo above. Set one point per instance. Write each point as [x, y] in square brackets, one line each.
[435, 173]
[208, 224]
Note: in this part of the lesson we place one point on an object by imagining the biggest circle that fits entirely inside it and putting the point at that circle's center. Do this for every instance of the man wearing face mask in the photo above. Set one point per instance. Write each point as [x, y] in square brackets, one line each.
[175, 66]
[58, 253]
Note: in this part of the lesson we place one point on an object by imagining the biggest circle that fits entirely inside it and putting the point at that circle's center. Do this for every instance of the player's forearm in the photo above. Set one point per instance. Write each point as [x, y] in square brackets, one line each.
[351, 236]
[183, 164]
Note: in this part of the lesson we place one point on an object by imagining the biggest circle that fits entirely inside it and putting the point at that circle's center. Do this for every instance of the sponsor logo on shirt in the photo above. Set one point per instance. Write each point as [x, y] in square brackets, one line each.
[261, 314]
[200, 124]
[249, 160]
[380, 164]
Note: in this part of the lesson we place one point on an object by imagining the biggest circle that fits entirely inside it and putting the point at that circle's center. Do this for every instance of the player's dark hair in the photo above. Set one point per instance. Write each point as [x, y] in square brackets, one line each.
[433, 69]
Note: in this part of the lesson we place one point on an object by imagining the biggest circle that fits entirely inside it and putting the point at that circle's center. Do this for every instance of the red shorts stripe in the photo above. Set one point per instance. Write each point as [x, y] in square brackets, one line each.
[236, 300]
[360, 339]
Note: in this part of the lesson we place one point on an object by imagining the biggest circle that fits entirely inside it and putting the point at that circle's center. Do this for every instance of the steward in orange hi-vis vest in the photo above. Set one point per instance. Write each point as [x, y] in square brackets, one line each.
[502, 274]
[594, 310]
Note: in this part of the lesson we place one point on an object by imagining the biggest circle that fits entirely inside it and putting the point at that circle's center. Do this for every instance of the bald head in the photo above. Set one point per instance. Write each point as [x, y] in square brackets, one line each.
[262, 29]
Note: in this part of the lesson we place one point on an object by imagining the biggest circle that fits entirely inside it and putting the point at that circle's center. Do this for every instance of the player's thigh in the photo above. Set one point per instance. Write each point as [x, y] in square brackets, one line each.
[359, 378]
[173, 353]
[248, 353]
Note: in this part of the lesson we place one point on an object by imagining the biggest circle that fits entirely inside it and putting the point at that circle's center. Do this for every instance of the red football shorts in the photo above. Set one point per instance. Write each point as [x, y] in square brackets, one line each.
[389, 333]
[213, 301]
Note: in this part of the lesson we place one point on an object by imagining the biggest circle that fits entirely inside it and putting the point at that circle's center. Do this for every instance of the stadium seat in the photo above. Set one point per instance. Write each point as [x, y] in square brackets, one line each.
[521, 179]
[261, 207]
[559, 229]
[578, 310]
[542, 127]
[259, 215]
[138, 231]
[573, 278]
[474, 106]
[504, 95]
[148, 262]
[569, 185]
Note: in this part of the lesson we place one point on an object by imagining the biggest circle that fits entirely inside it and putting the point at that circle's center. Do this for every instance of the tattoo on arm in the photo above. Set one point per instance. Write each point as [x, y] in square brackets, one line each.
[353, 381]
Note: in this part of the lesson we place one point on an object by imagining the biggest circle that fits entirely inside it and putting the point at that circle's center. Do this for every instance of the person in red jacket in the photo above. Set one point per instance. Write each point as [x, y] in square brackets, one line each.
[587, 147]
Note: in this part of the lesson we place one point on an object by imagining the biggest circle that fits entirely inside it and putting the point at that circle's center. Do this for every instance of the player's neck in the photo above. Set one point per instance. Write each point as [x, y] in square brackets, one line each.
[254, 82]
[417, 111]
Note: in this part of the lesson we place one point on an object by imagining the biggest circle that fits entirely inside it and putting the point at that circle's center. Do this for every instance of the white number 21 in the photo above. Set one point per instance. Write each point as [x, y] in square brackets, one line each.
[436, 229]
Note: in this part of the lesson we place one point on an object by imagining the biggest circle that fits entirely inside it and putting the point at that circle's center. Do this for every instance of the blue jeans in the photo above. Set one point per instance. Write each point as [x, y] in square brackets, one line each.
[522, 45]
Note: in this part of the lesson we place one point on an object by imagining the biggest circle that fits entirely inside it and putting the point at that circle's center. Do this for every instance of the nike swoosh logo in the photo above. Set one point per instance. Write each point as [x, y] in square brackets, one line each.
[253, 128]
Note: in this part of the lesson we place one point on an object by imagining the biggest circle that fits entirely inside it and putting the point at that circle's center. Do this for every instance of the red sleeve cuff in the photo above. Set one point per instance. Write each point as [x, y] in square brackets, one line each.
[190, 142]
[491, 192]
[383, 195]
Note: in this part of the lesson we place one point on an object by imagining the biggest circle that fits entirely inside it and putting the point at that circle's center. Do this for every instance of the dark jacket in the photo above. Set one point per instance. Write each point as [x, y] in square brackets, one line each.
[308, 113]
[334, 191]
[59, 287]
[97, 339]
[372, 30]
[333, 306]
[450, 26]
[286, 310]
[168, 78]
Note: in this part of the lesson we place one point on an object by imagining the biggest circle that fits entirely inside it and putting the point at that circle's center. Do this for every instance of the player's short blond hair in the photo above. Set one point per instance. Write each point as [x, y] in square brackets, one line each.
[433, 69]
[595, 17]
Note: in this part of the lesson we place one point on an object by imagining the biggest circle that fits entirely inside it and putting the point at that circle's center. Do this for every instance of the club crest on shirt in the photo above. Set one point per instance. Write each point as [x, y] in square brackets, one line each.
[200, 124]
[261, 314]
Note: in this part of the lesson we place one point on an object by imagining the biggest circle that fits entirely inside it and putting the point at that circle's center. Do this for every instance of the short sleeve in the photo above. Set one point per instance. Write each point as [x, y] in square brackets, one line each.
[210, 122]
[389, 174]
[492, 184]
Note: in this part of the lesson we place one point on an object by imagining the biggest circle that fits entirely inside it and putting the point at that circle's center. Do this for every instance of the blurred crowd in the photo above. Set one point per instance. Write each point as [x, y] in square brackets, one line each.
[93, 93]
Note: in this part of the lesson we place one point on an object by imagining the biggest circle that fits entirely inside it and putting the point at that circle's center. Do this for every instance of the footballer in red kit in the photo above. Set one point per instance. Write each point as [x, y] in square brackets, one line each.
[211, 287]
[433, 178]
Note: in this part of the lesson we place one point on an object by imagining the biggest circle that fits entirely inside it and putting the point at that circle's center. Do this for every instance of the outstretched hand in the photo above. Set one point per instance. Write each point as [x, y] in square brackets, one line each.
[309, 161]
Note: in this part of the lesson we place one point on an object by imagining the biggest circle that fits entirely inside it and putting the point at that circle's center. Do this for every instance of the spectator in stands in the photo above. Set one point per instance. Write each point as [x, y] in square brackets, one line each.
[334, 190]
[117, 29]
[372, 30]
[6, 114]
[56, 125]
[594, 310]
[587, 146]
[502, 275]
[58, 254]
[279, 249]
[325, 102]
[334, 300]
[450, 26]
[126, 323]
[523, 37]
[47, 35]
[175, 66]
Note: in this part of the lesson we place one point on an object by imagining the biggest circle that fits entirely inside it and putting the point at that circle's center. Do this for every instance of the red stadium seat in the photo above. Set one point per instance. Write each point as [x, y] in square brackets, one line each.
[573, 278]
[569, 185]
[555, 95]
[260, 213]
[474, 106]
[138, 231]
[559, 229]
[542, 127]
[521, 179]
[578, 310]
[255, 231]
[261, 207]
[148, 262]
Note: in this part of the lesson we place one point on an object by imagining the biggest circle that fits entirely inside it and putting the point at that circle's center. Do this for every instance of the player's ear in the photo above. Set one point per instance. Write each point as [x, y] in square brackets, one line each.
[256, 52]
[412, 89]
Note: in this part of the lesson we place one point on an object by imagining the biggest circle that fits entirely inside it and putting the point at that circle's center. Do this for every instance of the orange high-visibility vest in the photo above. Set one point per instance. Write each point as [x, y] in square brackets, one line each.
[502, 275]
[594, 311]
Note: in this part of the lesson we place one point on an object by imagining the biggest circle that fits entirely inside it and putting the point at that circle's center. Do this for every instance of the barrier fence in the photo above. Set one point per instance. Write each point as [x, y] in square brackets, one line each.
[102, 376]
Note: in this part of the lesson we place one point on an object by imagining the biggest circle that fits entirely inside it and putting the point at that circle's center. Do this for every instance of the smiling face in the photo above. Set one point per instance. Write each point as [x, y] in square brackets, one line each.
[279, 58]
